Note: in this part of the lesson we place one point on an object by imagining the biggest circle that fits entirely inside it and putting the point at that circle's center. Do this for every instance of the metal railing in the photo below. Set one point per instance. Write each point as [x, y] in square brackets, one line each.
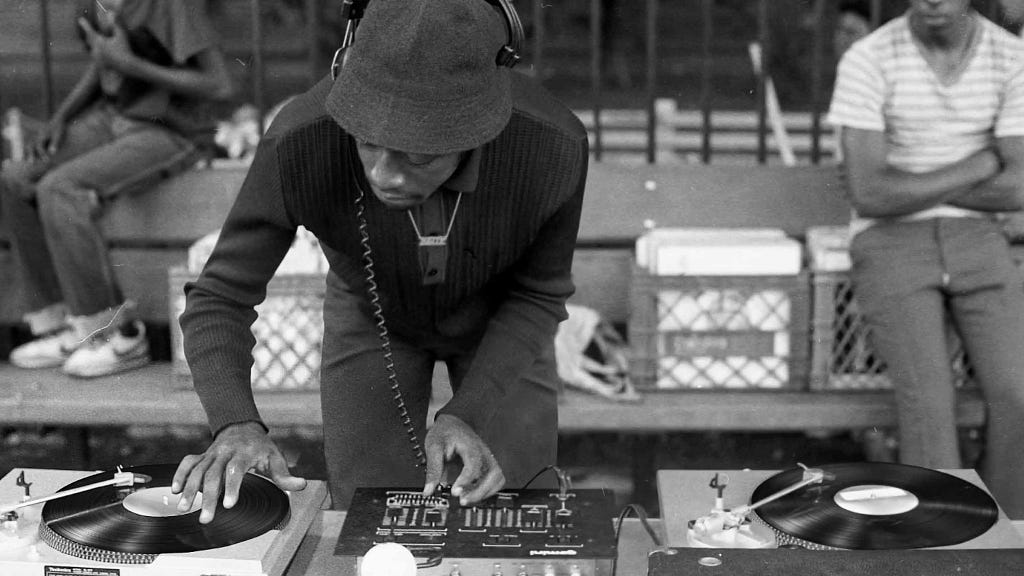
[535, 15]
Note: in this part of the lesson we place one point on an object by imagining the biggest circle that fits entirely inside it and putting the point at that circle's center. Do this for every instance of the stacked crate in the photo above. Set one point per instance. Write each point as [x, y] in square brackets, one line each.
[841, 353]
[718, 309]
[289, 326]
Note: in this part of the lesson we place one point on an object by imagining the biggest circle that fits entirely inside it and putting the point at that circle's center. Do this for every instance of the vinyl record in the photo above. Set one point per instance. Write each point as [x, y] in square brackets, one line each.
[97, 525]
[877, 506]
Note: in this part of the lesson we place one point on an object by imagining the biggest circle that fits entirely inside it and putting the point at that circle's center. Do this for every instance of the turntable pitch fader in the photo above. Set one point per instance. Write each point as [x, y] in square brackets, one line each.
[531, 532]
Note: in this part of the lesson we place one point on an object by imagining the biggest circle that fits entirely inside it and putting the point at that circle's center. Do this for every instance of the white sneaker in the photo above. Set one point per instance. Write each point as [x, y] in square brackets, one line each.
[47, 351]
[108, 353]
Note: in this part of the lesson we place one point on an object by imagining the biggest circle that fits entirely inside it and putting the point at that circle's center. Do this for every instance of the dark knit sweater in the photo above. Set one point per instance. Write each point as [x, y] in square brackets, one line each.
[508, 272]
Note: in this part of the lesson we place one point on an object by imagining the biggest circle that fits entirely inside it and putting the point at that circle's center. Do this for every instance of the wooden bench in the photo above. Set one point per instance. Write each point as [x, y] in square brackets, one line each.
[150, 232]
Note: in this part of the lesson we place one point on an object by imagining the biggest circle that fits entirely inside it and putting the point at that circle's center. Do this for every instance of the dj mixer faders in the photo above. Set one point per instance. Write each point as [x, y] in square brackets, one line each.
[531, 532]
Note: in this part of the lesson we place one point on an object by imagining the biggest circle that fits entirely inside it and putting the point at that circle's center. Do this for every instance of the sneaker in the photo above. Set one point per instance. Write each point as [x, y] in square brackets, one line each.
[110, 352]
[48, 351]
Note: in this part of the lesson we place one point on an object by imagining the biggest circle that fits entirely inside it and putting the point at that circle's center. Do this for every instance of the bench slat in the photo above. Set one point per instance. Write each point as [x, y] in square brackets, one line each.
[618, 201]
[175, 212]
[143, 278]
[602, 279]
[151, 396]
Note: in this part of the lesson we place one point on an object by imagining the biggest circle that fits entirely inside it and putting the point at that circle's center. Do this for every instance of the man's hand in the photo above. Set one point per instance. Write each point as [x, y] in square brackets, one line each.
[481, 476]
[112, 51]
[236, 450]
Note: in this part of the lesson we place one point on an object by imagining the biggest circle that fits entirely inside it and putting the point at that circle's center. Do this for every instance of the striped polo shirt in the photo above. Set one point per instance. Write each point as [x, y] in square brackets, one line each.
[884, 83]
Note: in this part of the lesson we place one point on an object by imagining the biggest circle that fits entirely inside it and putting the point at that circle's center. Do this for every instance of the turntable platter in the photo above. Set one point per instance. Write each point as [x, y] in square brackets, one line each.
[97, 524]
[877, 506]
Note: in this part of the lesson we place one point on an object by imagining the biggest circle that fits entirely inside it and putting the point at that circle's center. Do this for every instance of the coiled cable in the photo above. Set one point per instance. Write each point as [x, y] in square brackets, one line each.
[382, 330]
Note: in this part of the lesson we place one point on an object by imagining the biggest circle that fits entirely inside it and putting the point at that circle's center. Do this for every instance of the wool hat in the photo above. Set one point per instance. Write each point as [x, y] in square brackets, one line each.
[421, 77]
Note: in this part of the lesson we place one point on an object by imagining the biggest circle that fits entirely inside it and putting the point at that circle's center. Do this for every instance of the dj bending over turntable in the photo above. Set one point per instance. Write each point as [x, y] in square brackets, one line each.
[457, 187]
[932, 110]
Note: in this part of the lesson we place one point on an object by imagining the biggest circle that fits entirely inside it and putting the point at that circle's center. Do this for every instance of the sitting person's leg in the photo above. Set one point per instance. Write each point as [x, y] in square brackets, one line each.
[46, 312]
[897, 280]
[988, 305]
[28, 247]
[70, 197]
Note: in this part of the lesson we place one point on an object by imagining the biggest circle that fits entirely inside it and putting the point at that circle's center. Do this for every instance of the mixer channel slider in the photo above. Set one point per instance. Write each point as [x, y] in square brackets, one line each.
[533, 532]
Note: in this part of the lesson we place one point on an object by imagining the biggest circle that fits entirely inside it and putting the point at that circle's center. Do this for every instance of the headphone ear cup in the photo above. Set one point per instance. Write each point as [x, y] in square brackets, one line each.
[509, 54]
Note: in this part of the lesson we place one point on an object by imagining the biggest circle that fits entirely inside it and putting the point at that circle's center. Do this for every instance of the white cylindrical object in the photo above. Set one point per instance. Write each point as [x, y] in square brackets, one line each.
[388, 559]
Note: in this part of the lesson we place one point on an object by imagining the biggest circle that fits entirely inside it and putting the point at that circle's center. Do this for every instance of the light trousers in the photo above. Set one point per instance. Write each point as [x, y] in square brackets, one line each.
[910, 279]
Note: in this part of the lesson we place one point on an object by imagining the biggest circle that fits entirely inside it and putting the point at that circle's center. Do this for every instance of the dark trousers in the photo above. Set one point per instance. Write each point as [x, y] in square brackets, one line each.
[911, 279]
[365, 443]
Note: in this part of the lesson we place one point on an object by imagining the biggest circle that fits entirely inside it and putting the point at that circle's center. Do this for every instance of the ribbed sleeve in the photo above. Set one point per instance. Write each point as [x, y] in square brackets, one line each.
[219, 311]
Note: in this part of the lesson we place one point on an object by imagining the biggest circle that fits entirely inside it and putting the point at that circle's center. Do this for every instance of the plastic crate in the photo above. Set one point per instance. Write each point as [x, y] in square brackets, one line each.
[288, 331]
[841, 356]
[710, 332]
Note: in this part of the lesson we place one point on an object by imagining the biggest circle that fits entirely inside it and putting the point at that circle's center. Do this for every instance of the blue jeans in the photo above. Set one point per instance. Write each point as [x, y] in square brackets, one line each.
[50, 206]
[911, 279]
[364, 441]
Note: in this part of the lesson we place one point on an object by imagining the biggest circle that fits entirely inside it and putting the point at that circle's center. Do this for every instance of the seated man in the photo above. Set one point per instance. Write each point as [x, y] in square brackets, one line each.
[134, 116]
[932, 113]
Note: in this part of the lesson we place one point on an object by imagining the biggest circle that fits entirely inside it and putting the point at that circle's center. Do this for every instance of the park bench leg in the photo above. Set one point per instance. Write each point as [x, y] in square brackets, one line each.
[644, 471]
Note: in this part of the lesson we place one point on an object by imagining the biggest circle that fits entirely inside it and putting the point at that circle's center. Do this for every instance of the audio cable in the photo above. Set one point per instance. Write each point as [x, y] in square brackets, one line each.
[382, 330]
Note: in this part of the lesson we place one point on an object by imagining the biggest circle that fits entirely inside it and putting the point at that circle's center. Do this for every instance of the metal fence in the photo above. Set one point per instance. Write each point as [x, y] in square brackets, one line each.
[535, 13]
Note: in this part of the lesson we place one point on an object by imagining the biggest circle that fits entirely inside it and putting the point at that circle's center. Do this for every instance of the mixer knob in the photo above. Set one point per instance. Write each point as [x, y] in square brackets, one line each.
[534, 518]
[432, 516]
[562, 539]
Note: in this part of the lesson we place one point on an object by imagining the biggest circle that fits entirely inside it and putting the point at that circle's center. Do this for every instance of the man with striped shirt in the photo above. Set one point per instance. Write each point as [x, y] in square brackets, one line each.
[931, 107]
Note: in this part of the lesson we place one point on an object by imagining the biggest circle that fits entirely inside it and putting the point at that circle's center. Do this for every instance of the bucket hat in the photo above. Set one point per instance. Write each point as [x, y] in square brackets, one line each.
[421, 77]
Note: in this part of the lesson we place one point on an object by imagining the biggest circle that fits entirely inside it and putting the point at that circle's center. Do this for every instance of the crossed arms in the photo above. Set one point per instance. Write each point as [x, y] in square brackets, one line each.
[991, 180]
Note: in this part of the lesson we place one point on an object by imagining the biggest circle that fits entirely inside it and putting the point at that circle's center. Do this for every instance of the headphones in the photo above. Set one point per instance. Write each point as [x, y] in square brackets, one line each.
[508, 55]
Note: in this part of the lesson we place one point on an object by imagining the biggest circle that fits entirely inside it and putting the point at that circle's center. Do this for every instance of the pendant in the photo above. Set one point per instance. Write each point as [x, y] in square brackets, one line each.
[433, 240]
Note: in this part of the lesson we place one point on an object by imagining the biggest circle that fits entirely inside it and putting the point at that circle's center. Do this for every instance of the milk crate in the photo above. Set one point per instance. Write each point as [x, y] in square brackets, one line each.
[841, 355]
[713, 332]
[288, 332]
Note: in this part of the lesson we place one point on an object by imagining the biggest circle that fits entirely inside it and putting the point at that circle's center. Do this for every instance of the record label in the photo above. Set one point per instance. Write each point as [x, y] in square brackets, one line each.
[159, 502]
[877, 506]
[875, 500]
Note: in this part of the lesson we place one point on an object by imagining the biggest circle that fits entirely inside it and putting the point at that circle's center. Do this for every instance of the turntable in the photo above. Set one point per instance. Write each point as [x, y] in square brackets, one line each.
[114, 530]
[862, 518]
[685, 495]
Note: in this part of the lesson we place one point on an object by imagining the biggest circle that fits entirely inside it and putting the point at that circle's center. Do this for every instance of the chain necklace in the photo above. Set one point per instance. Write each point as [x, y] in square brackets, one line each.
[435, 240]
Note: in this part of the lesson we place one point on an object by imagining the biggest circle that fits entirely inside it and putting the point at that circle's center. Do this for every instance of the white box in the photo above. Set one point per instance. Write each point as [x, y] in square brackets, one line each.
[718, 252]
